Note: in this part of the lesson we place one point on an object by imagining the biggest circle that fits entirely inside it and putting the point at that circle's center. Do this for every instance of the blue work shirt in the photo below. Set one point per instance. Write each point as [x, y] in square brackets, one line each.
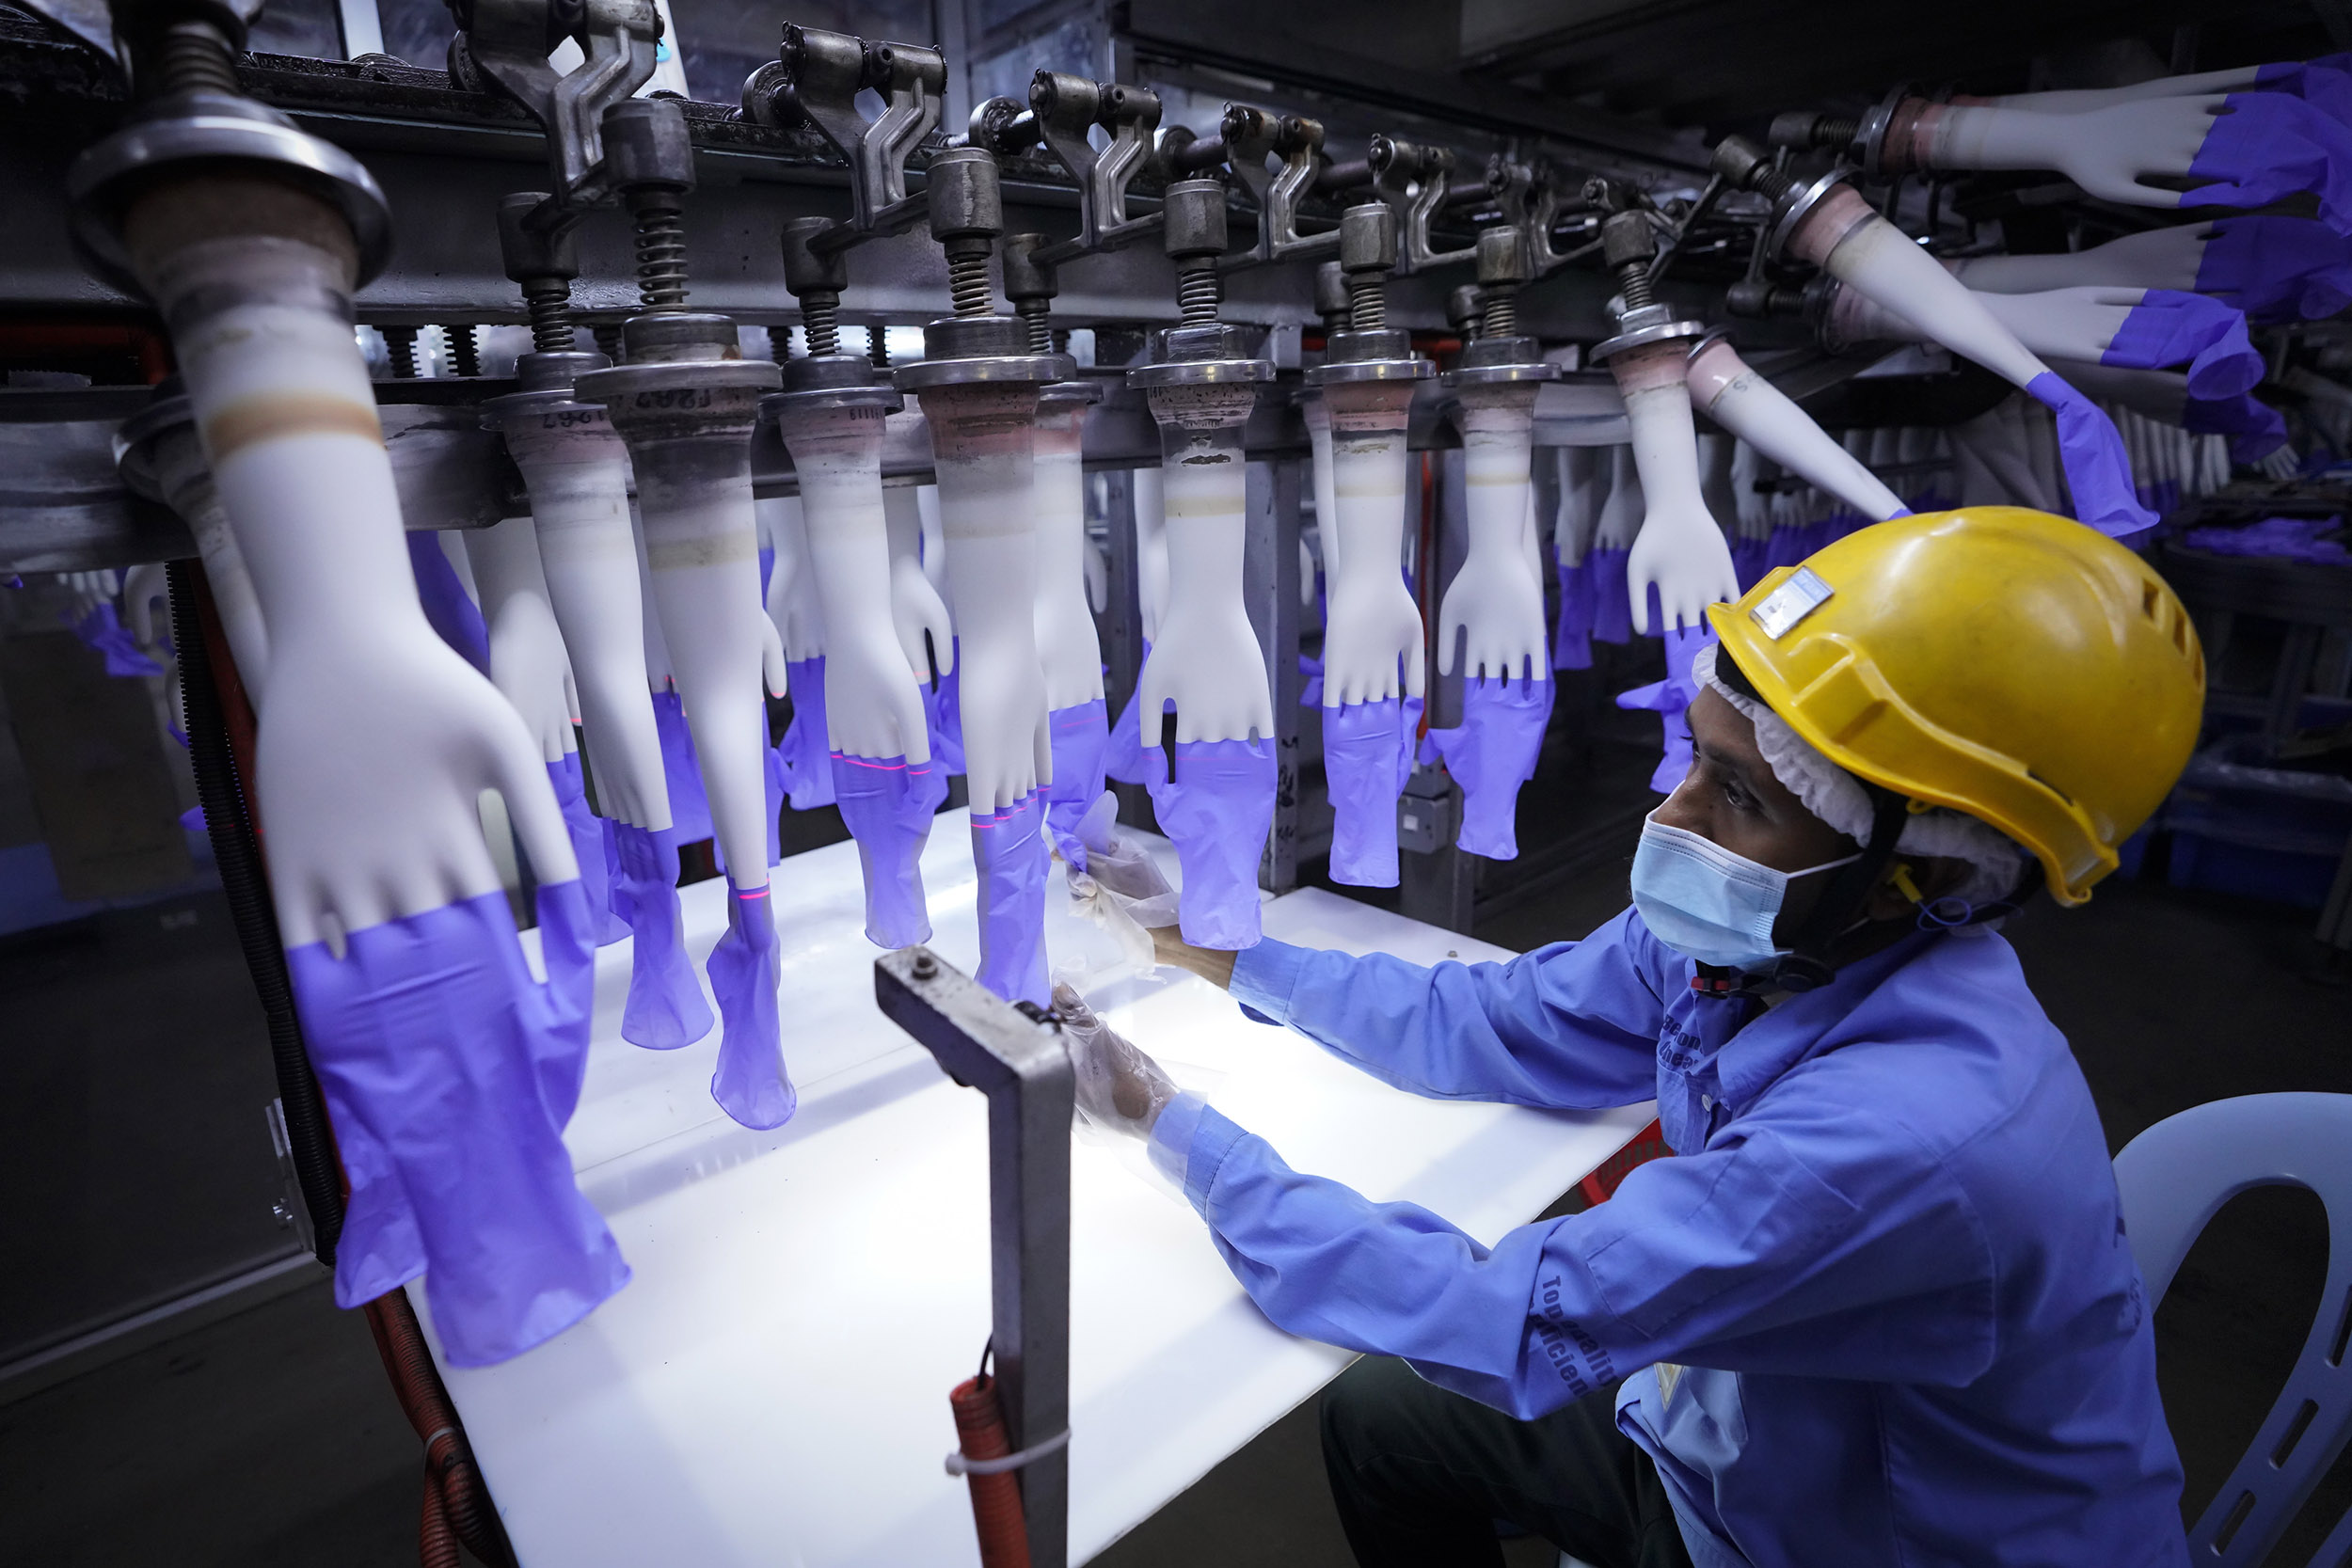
[1880, 1310]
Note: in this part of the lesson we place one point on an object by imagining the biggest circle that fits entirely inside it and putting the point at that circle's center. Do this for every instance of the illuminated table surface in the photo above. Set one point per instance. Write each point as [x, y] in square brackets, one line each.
[771, 1388]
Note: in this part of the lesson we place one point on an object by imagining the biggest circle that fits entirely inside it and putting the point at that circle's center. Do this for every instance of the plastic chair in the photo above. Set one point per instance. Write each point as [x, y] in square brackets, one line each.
[2173, 1178]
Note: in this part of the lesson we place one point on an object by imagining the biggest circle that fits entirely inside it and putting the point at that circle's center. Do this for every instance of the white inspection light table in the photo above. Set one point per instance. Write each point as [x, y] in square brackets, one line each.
[771, 1387]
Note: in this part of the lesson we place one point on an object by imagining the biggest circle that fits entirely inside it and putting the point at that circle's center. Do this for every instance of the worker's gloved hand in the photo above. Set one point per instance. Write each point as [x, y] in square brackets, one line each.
[751, 1084]
[1491, 755]
[587, 832]
[2170, 327]
[449, 1074]
[1217, 808]
[681, 771]
[2267, 145]
[888, 805]
[1119, 891]
[2097, 469]
[806, 751]
[2254, 428]
[1081, 736]
[1367, 756]
[666, 1007]
[1120, 1088]
[1010, 852]
[2277, 269]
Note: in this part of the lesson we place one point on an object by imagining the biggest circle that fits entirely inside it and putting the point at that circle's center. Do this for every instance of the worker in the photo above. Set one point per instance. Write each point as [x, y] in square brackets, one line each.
[1879, 1307]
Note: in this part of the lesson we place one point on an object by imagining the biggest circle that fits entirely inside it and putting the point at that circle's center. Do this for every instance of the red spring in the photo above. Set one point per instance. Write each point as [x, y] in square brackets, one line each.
[995, 1499]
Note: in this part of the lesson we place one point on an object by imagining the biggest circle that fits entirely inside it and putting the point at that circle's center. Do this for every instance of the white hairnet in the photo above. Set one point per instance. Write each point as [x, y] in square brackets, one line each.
[1837, 796]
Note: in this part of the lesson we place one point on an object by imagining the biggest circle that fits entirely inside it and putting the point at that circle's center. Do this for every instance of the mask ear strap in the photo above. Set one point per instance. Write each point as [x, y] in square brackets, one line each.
[1806, 965]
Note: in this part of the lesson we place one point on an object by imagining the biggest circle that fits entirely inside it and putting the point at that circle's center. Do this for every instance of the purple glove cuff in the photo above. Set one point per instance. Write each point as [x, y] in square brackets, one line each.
[888, 805]
[751, 1084]
[2097, 470]
[2269, 146]
[1669, 699]
[689, 808]
[1217, 809]
[448, 608]
[1008, 851]
[438, 1054]
[2255, 429]
[666, 1007]
[1613, 602]
[1572, 641]
[2277, 269]
[806, 751]
[591, 840]
[1081, 736]
[2168, 328]
[1491, 755]
[942, 710]
[1367, 756]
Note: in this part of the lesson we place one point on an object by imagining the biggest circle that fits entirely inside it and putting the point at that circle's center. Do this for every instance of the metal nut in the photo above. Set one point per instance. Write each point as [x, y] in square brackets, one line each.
[1195, 219]
[1627, 237]
[808, 271]
[1501, 256]
[645, 144]
[1368, 238]
[965, 202]
[532, 253]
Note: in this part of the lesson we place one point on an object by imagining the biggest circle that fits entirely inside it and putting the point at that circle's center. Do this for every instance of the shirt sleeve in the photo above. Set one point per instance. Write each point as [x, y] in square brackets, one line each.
[1705, 1258]
[1570, 1026]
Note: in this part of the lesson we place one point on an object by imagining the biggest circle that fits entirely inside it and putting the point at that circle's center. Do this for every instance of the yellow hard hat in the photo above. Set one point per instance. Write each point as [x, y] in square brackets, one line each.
[2007, 664]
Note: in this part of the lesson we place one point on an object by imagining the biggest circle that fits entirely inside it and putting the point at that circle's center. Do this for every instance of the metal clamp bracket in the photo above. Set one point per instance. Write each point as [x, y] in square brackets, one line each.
[1064, 109]
[1531, 197]
[1250, 135]
[817, 75]
[506, 43]
[1416, 181]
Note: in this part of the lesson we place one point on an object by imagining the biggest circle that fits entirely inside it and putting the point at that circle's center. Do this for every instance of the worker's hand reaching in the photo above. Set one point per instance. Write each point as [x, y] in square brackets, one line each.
[1120, 1088]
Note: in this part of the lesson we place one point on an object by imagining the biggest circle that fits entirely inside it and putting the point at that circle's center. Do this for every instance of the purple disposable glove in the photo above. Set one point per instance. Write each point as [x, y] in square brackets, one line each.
[943, 711]
[1572, 642]
[1613, 603]
[1750, 560]
[666, 1007]
[1310, 681]
[807, 750]
[1367, 756]
[888, 805]
[1123, 753]
[1491, 755]
[1670, 698]
[2267, 145]
[439, 1055]
[2254, 428]
[2287, 538]
[2097, 470]
[104, 630]
[2277, 269]
[689, 808]
[2169, 327]
[1217, 810]
[589, 838]
[447, 605]
[2325, 83]
[751, 1084]
[1081, 737]
[1010, 852]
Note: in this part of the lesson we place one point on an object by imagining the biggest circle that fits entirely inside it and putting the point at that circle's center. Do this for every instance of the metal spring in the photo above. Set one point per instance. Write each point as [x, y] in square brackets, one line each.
[821, 322]
[465, 351]
[1033, 312]
[662, 258]
[400, 344]
[1633, 283]
[550, 302]
[1500, 317]
[193, 57]
[1200, 295]
[878, 347]
[1367, 303]
[967, 283]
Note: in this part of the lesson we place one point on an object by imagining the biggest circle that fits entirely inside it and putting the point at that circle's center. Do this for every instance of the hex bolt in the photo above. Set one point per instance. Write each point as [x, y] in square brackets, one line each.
[1747, 167]
[1332, 297]
[967, 212]
[1194, 215]
[1627, 244]
[1805, 131]
[1367, 251]
[650, 160]
[1501, 268]
[542, 263]
[1463, 308]
[816, 279]
[924, 967]
[1032, 286]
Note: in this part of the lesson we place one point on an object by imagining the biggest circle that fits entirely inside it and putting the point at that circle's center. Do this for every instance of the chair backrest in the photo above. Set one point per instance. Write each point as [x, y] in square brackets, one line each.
[2173, 1178]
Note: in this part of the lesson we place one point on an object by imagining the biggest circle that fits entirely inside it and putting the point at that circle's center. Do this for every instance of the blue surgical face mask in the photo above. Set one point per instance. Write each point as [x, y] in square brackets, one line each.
[1706, 902]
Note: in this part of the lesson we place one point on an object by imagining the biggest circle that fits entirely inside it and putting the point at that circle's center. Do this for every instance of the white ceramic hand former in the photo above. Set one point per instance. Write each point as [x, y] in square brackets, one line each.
[1317, 415]
[1151, 550]
[577, 471]
[926, 634]
[376, 739]
[2109, 152]
[1375, 624]
[1495, 603]
[527, 662]
[1068, 652]
[1734, 396]
[2168, 258]
[143, 588]
[873, 699]
[1206, 659]
[980, 438]
[1681, 549]
[2077, 100]
[1619, 520]
[793, 606]
[1583, 486]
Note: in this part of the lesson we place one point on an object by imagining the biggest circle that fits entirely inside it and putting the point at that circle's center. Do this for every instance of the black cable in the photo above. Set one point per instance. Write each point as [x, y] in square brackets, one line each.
[238, 854]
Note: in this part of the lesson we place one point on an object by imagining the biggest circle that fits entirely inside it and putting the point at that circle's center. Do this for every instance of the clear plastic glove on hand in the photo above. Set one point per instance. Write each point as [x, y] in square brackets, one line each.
[1120, 1088]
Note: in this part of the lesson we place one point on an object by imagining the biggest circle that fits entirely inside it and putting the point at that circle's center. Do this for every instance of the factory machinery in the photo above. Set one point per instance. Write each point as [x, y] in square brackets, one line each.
[1274, 482]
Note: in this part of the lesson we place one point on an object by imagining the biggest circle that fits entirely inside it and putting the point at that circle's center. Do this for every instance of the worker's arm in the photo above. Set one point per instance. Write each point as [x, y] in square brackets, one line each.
[1824, 1218]
[1572, 1026]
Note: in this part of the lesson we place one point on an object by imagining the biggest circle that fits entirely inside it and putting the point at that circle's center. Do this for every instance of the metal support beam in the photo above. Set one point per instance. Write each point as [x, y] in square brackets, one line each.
[1019, 1062]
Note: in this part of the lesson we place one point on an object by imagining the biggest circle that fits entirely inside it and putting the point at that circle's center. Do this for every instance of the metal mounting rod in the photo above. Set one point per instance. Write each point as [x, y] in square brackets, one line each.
[1018, 1060]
